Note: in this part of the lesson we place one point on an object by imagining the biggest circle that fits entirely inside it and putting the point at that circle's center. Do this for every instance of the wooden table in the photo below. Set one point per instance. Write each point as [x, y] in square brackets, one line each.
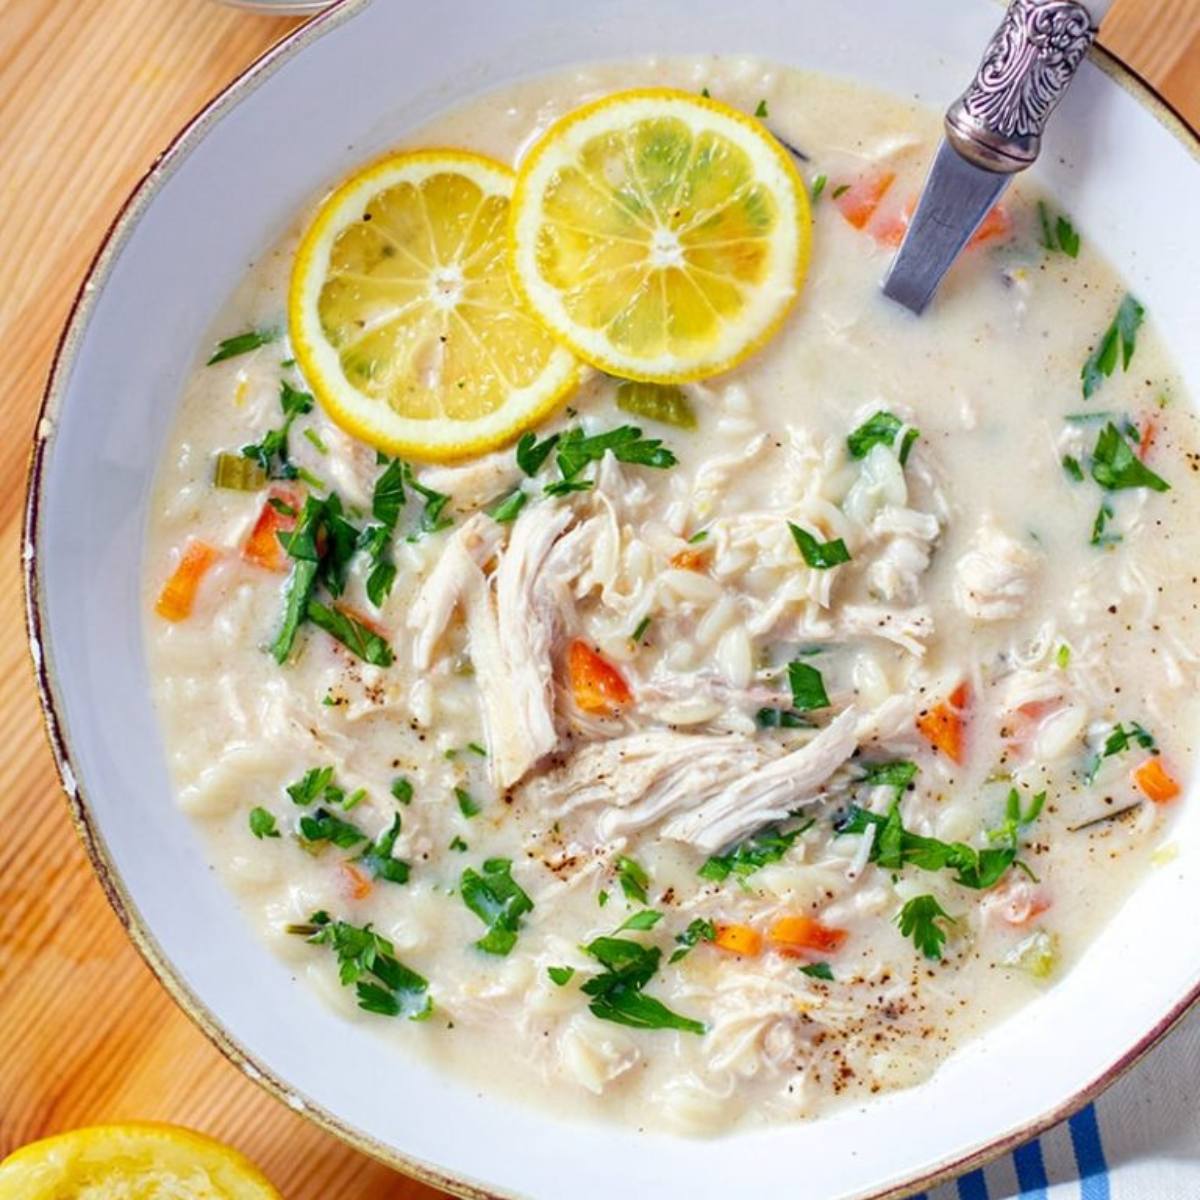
[90, 90]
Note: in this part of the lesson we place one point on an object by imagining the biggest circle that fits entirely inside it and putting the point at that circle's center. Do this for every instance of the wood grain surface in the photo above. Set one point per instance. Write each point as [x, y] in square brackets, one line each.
[90, 92]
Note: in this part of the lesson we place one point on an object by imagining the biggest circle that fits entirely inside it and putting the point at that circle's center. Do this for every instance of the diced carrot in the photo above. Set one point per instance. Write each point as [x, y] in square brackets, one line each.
[262, 547]
[888, 229]
[690, 560]
[943, 725]
[997, 224]
[805, 933]
[739, 939]
[179, 592]
[598, 687]
[356, 884]
[860, 200]
[1146, 438]
[1155, 782]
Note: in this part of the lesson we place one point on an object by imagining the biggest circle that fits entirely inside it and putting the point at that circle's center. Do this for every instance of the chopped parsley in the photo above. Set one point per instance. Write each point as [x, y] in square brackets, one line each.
[818, 186]
[574, 451]
[895, 847]
[388, 499]
[242, 343]
[919, 919]
[898, 774]
[466, 803]
[1118, 740]
[560, 976]
[368, 962]
[647, 918]
[700, 930]
[433, 516]
[698, 537]
[271, 452]
[507, 507]
[402, 789]
[352, 633]
[819, 555]
[840, 190]
[1059, 235]
[617, 992]
[1117, 345]
[324, 826]
[378, 860]
[818, 970]
[881, 430]
[633, 879]
[761, 110]
[808, 688]
[640, 631]
[315, 784]
[262, 823]
[1072, 468]
[314, 439]
[1062, 656]
[532, 454]
[781, 718]
[456, 843]
[477, 749]
[758, 850]
[1115, 466]
[1100, 534]
[498, 901]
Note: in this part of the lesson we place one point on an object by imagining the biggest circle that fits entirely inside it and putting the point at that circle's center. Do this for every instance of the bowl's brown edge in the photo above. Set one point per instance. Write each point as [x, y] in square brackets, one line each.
[93, 842]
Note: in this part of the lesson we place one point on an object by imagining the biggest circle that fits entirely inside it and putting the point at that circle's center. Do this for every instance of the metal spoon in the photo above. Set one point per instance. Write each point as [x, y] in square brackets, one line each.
[993, 130]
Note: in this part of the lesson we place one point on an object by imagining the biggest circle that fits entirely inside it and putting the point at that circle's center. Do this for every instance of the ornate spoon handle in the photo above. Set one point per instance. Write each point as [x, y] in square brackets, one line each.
[997, 122]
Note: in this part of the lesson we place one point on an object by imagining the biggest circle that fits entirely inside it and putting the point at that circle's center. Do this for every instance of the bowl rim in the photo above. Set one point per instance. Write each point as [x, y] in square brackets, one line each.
[141, 195]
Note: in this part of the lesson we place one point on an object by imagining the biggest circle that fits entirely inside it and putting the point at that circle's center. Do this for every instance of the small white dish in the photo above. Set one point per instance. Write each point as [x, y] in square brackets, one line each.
[337, 91]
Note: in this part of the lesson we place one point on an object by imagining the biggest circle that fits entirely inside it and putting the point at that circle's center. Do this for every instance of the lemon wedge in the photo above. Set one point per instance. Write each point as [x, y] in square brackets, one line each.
[403, 317]
[661, 236]
[135, 1161]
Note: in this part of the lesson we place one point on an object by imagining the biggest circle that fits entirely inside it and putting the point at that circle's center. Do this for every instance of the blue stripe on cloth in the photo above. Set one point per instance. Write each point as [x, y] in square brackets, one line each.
[1031, 1170]
[1089, 1155]
[973, 1186]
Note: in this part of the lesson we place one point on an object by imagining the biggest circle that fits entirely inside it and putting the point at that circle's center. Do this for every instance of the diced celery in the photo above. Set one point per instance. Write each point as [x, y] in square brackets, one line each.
[238, 473]
[1038, 954]
[657, 402]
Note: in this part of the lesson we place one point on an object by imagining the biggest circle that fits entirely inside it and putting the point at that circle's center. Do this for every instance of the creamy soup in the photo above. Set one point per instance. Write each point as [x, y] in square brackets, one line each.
[847, 705]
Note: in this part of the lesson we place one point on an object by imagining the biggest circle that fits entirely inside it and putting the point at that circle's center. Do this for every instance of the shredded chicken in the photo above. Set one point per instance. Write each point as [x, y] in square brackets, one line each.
[993, 578]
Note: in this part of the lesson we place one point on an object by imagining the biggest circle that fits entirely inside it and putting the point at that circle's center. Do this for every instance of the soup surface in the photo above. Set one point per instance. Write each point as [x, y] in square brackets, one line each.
[741, 780]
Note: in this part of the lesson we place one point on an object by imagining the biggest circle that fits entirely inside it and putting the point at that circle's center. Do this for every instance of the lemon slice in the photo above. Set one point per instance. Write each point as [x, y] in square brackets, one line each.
[661, 236]
[403, 316]
[136, 1161]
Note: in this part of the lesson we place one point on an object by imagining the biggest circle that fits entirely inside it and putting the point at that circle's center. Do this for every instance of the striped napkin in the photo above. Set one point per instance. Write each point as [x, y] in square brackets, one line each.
[1139, 1141]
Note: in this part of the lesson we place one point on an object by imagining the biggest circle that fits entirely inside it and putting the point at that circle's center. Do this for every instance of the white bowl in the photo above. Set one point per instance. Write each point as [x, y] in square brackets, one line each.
[335, 93]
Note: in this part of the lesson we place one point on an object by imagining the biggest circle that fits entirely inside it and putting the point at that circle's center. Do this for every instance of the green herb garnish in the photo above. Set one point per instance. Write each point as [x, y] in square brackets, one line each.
[633, 879]
[466, 803]
[532, 454]
[262, 823]
[402, 789]
[758, 850]
[242, 343]
[640, 631]
[700, 930]
[271, 453]
[315, 784]
[808, 688]
[617, 993]
[507, 507]
[819, 555]
[378, 860]
[574, 451]
[560, 976]
[368, 962]
[818, 970]
[1117, 345]
[323, 826]
[818, 186]
[919, 919]
[1072, 468]
[647, 918]
[881, 430]
[353, 634]
[1058, 235]
[498, 901]
[1115, 466]
[761, 110]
